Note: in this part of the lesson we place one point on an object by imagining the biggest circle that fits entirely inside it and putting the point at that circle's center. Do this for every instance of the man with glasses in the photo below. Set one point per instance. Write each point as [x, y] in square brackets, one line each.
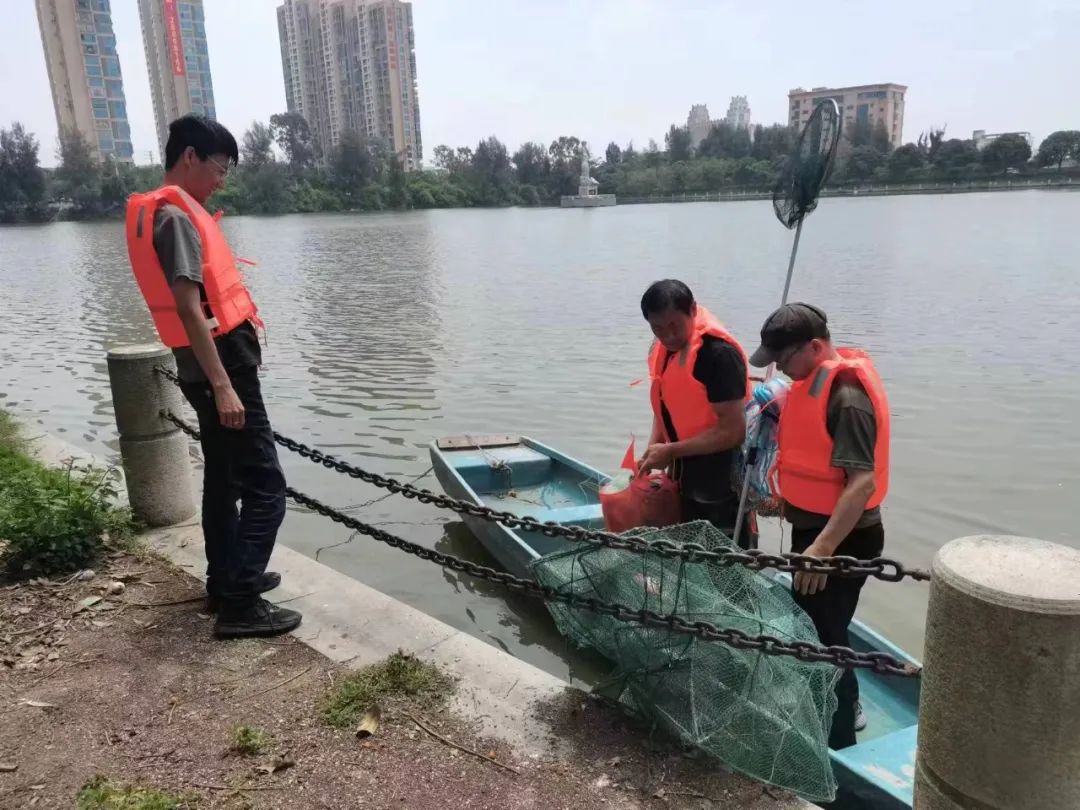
[833, 466]
[203, 312]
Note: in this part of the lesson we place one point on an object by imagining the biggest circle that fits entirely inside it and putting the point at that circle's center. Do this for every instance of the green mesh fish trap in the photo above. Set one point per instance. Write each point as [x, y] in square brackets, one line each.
[765, 716]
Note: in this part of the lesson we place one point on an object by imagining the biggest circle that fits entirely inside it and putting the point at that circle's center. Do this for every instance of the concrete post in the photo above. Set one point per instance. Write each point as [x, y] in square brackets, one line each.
[999, 715]
[157, 465]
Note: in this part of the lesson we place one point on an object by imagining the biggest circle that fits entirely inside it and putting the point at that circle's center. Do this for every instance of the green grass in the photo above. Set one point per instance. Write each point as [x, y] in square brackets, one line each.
[103, 794]
[399, 676]
[53, 521]
[248, 741]
[10, 436]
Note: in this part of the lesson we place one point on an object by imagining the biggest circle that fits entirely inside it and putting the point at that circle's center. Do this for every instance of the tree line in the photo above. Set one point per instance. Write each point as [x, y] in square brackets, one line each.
[933, 158]
[282, 169]
[730, 157]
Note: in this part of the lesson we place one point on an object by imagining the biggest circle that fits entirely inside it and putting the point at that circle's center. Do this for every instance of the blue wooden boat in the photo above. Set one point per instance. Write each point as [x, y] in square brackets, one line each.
[518, 475]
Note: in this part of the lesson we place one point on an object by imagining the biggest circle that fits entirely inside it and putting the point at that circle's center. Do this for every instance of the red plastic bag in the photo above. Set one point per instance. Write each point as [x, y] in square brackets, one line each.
[648, 500]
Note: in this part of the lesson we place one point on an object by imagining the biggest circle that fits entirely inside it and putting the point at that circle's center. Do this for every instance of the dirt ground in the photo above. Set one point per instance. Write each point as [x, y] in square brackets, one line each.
[131, 685]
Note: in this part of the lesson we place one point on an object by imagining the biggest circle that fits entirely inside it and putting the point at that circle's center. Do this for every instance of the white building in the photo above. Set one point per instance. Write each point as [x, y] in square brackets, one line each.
[738, 113]
[698, 124]
[982, 138]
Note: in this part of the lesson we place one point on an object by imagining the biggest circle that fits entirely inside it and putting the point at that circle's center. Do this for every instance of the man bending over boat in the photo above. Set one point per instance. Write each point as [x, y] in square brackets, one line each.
[699, 388]
[833, 466]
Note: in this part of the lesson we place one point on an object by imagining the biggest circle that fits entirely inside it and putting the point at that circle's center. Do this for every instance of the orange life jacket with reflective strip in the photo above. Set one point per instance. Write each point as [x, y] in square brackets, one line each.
[228, 303]
[675, 386]
[804, 461]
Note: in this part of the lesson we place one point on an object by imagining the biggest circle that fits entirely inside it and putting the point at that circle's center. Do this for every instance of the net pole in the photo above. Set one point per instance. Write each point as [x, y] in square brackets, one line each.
[790, 271]
[741, 516]
[769, 372]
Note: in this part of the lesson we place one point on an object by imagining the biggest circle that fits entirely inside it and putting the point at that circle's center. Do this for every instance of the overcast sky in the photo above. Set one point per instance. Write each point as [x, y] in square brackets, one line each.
[626, 69]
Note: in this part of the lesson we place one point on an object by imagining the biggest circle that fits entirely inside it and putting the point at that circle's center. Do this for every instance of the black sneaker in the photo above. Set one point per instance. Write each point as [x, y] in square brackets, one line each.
[266, 582]
[258, 618]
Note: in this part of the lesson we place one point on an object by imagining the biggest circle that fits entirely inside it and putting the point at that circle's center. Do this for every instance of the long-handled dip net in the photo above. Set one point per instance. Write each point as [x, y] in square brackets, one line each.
[794, 196]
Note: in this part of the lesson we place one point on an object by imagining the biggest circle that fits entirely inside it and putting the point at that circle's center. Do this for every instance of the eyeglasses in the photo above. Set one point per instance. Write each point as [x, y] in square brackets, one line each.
[224, 169]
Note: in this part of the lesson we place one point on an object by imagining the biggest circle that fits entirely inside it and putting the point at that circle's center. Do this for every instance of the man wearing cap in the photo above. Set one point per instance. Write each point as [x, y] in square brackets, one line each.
[699, 380]
[833, 465]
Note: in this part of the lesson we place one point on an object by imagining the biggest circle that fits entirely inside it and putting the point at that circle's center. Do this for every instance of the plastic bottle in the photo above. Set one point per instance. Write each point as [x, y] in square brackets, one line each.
[772, 391]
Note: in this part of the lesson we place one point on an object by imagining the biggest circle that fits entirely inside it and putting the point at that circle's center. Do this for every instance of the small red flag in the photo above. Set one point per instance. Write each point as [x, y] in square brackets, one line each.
[629, 461]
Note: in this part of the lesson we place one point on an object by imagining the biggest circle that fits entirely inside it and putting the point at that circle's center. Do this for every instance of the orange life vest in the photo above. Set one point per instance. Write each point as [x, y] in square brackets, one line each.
[684, 396]
[228, 303]
[804, 461]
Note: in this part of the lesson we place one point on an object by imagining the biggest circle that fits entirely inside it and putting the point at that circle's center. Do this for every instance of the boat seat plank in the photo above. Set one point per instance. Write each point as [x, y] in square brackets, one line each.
[888, 760]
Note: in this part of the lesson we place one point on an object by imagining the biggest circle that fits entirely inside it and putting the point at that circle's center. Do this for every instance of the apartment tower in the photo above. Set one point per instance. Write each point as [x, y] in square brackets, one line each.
[865, 105]
[84, 74]
[177, 61]
[350, 65]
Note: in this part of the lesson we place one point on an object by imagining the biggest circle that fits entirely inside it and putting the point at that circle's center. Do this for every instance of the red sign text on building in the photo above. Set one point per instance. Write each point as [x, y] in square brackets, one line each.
[172, 35]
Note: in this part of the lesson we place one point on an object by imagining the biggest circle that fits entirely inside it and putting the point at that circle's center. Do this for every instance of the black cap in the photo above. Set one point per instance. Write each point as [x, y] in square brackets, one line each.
[790, 325]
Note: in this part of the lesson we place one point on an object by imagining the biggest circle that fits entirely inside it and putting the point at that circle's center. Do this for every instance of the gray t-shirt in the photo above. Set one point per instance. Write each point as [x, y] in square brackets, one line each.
[850, 420]
[179, 250]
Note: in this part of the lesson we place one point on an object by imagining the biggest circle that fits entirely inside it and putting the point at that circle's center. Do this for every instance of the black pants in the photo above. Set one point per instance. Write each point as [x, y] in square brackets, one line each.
[832, 610]
[722, 515]
[240, 465]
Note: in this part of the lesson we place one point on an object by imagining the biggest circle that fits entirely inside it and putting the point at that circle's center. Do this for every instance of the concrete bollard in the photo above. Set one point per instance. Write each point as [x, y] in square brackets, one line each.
[999, 715]
[157, 465]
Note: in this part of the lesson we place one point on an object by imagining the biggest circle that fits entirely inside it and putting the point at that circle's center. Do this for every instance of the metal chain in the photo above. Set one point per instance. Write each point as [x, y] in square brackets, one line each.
[883, 568]
[843, 657]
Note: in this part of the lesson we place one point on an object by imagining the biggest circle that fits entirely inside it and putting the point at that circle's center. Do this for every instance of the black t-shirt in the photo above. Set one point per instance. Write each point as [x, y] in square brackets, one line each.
[179, 250]
[850, 420]
[720, 368]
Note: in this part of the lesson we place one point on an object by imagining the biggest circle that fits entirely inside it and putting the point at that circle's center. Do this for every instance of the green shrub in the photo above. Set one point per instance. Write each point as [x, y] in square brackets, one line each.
[248, 740]
[102, 794]
[54, 521]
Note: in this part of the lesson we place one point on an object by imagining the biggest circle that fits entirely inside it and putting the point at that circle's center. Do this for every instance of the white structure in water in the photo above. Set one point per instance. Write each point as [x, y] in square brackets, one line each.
[588, 188]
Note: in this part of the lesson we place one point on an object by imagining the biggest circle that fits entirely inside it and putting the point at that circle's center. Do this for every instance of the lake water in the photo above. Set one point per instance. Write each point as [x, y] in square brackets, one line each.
[386, 331]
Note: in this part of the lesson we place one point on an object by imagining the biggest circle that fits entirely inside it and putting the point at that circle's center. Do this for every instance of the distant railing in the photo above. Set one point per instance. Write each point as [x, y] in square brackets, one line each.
[862, 190]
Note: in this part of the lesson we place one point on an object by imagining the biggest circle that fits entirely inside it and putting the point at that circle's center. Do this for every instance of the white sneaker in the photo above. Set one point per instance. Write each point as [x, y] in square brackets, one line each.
[860, 717]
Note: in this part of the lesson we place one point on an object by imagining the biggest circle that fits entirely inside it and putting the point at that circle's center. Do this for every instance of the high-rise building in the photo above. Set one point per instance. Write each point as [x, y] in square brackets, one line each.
[350, 65]
[738, 113]
[698, 124]
[177, 60]
[302, 64]
[84, 74]
[865, 105]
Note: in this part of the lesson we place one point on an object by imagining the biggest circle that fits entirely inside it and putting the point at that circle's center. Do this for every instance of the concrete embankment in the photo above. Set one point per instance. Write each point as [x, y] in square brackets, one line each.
[551, 732]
